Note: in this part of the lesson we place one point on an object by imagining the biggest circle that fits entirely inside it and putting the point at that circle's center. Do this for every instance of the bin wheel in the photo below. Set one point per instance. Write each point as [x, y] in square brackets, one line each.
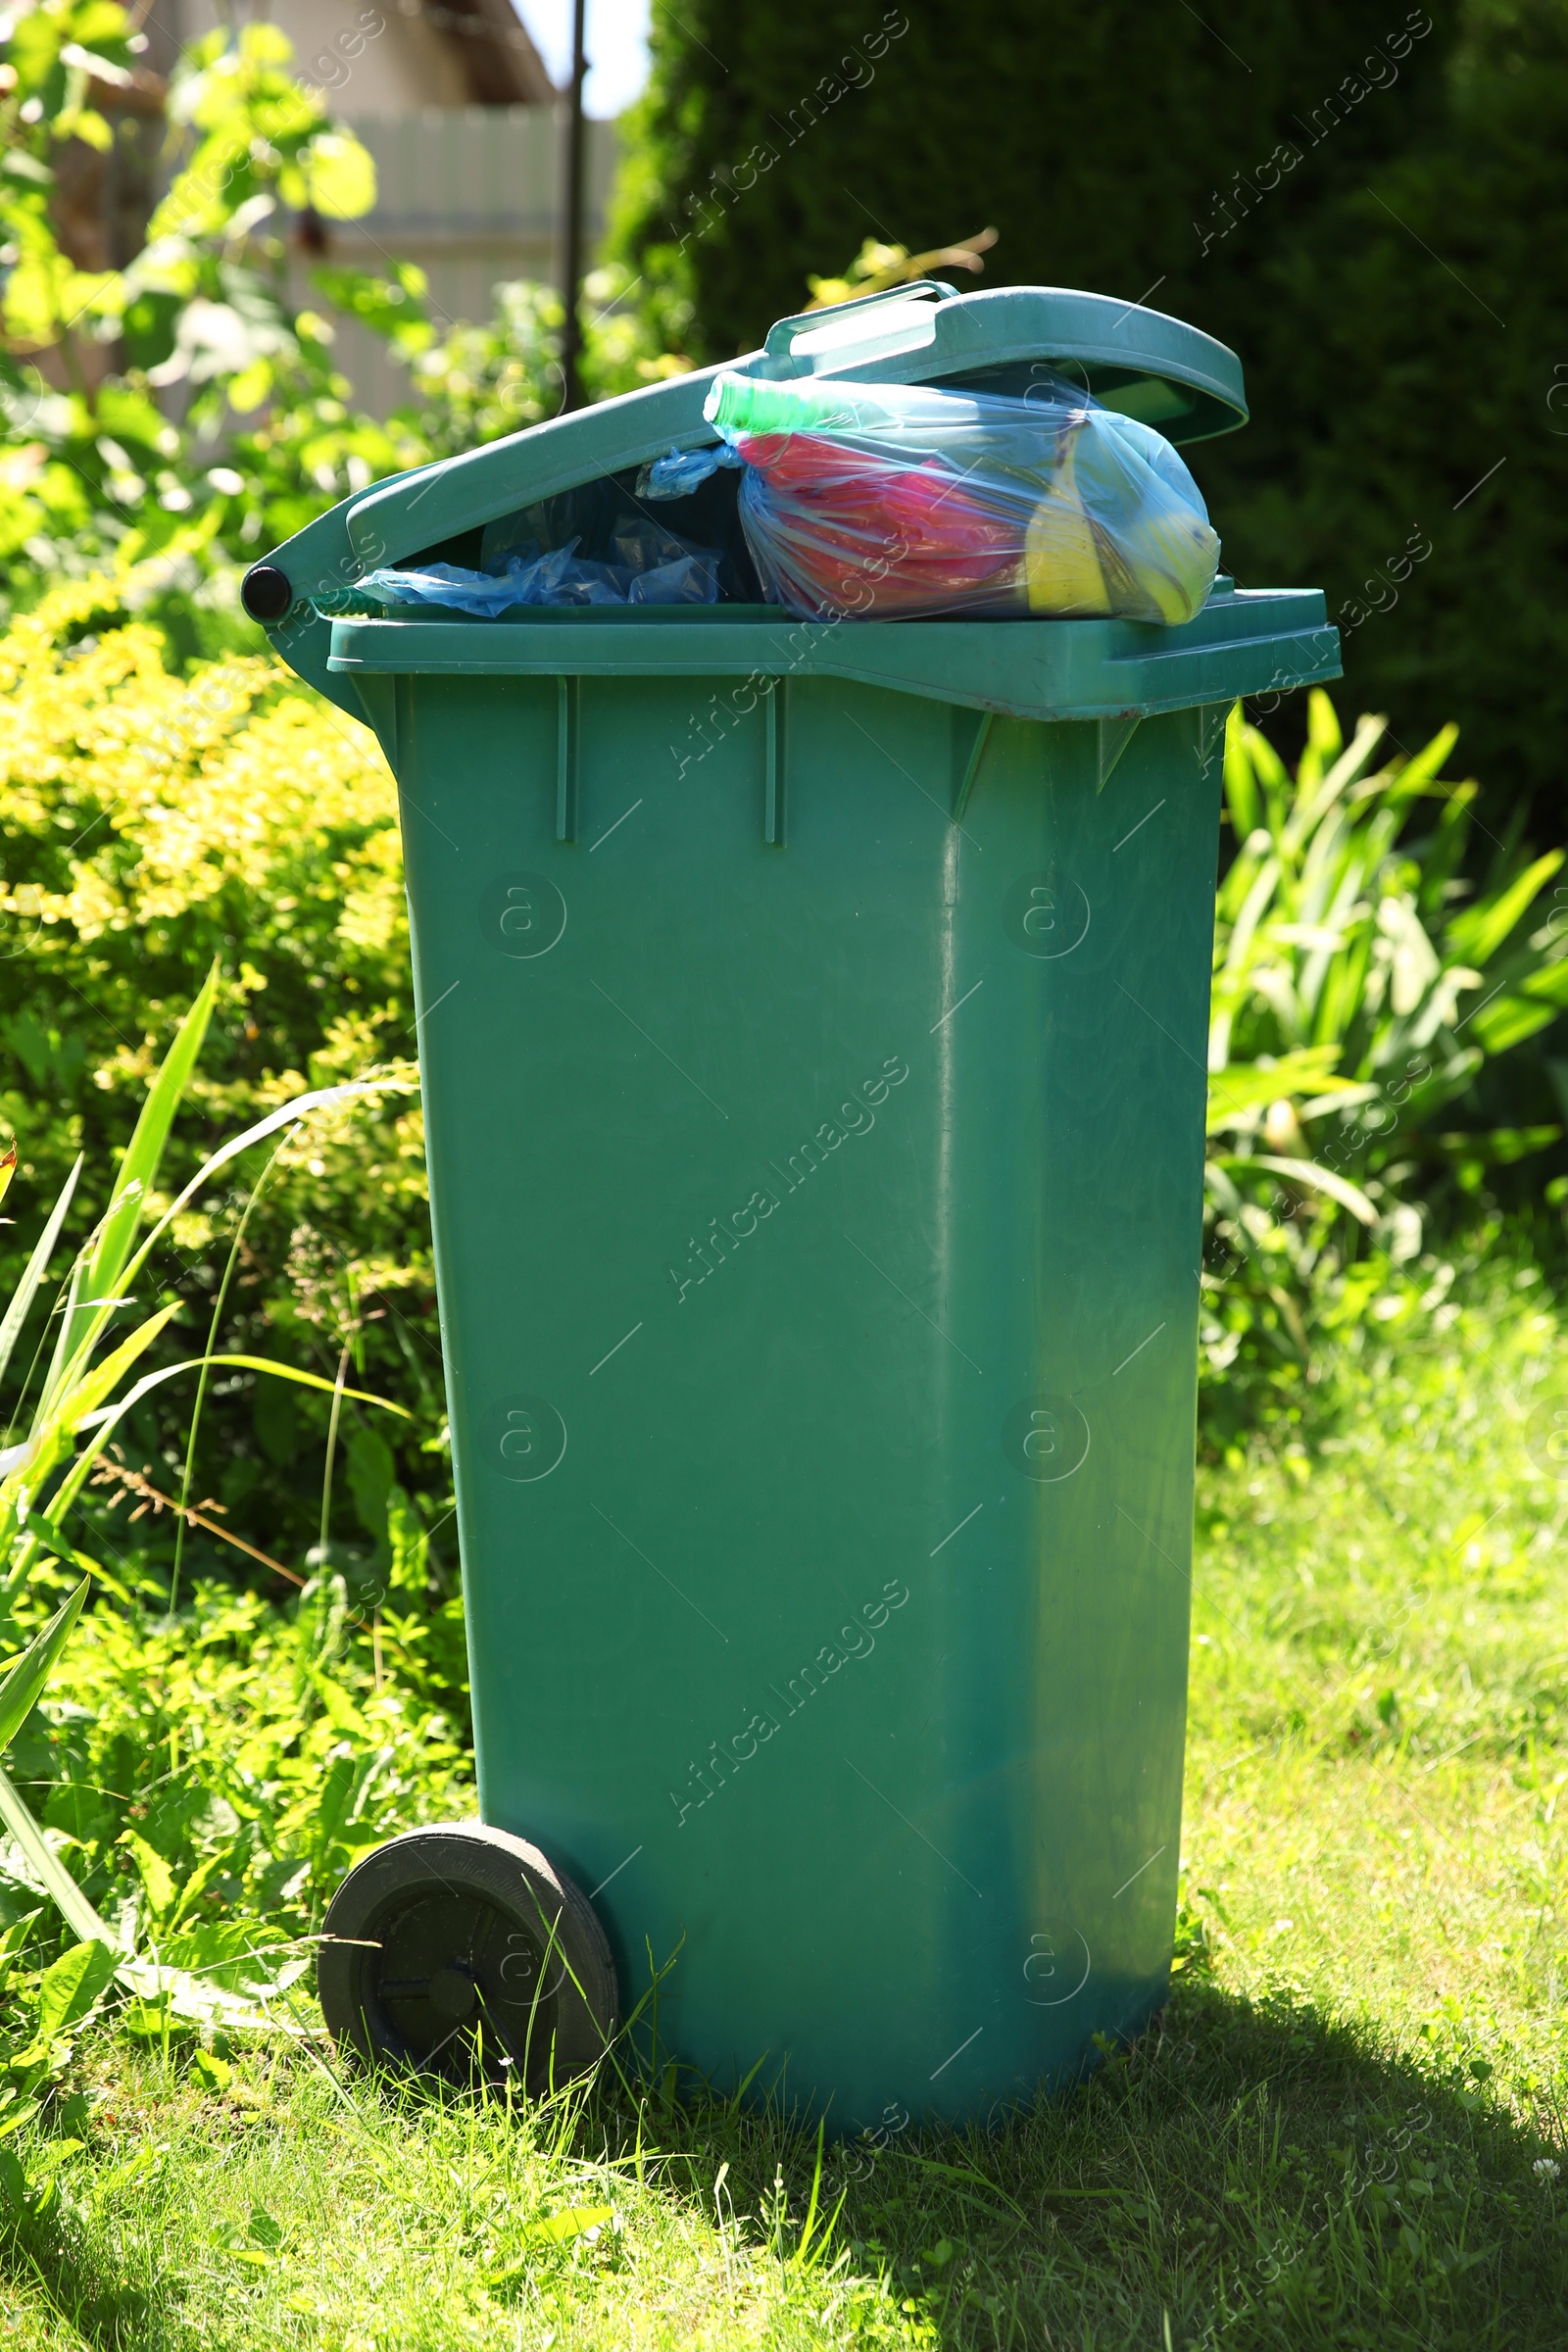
[459, 1952]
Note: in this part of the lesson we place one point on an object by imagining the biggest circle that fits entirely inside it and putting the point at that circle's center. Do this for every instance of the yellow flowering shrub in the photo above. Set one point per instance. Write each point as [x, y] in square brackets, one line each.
[151, 823]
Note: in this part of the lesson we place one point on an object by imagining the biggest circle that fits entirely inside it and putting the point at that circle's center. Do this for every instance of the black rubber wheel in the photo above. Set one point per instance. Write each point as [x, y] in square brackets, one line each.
[460, 1953]
[266, 592]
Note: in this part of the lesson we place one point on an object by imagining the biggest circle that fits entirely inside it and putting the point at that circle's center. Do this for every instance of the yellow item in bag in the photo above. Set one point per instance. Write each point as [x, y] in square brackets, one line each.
[1117, 531]
[1061, 563]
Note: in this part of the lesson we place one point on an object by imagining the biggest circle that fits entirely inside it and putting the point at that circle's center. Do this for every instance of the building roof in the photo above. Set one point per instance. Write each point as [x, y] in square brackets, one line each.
[399, 57]
[497, 59]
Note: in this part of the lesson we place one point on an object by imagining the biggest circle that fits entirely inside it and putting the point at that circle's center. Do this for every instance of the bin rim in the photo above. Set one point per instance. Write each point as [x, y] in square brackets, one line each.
[1245, 641]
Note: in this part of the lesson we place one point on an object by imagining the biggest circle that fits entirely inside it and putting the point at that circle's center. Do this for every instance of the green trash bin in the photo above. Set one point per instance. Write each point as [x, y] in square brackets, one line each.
[813, 1020]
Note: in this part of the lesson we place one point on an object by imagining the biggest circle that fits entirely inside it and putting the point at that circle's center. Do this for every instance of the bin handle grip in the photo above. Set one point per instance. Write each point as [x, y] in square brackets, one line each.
[781, 336]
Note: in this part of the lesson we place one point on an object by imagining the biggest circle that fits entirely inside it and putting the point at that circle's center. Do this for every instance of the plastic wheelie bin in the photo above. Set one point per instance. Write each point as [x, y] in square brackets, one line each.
[812, 1019]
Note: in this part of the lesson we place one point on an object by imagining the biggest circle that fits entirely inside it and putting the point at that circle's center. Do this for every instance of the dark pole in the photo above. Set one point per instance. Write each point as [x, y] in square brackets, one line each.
[571, 339]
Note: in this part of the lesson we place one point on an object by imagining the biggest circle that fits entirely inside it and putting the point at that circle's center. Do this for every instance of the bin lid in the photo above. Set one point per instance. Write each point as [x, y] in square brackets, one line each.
[1150, 367]
[1138, 360]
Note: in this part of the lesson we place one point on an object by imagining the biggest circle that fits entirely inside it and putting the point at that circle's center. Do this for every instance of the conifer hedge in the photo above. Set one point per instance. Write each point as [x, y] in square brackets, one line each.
[1369, 204]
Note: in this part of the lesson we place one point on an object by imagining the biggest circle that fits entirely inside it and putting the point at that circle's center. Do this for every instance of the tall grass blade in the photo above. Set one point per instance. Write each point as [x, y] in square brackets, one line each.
[1479, 932]
[50, 1872]
[26, 1290]
[803, 2259]
[27, 1674]
[136, 1172]
[214, 1329]
[322, 1098]
[107, 1418]
[75, 1408]
[146, 1147]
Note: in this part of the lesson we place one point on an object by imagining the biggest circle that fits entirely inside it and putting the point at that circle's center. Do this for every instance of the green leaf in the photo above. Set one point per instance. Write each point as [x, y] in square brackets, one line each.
[1476, 934]
[1323, 736]
[1240, 784]
[340, 176]
[1508, 1020]
[211, 2072]
[1243, 1085]
[197, 1883]
[336, 1790]
[76, 1408]
[157, 1880]
[29, 1674]
[341, 1712]
[1548, 986]
[1312, 806]
[257, 1364]
[151, 2021]
[145, 1151]
[1322, 1179]
[37, 1267]
[1414, 776]
[555, 2230]
[18, 1935]
[72, 1987]
[135, 1180]
[574, 2221]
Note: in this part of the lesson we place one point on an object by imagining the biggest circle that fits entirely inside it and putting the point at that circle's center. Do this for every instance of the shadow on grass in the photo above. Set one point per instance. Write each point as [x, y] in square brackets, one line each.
[1244, 2174]
[45, 2255]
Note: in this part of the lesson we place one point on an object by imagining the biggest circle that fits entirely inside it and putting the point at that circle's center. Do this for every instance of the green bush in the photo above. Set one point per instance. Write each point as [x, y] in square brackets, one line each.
[1362, 986]
[150, 825]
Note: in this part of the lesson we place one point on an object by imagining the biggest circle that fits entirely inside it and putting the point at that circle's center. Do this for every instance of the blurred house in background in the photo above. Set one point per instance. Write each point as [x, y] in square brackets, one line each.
[456, 105]
[381, 57]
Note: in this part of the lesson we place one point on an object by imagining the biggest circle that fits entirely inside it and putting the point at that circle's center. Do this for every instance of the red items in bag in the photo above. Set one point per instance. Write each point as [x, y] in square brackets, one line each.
[878, 537]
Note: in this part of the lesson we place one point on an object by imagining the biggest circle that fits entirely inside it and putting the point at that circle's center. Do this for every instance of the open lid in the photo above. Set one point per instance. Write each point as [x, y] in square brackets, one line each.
[1130, 358]
[1137, 361]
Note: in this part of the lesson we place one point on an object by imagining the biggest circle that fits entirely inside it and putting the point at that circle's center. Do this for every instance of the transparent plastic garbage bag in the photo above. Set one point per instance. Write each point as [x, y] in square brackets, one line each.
[894, 499]
[653, 567]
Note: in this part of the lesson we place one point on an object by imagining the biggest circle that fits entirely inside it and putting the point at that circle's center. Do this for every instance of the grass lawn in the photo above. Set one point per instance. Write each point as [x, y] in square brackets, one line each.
[1346, 2129]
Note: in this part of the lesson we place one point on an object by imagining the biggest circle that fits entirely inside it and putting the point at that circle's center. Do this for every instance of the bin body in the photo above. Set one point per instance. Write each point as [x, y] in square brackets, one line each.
[814, 1031]
[817, 1228]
